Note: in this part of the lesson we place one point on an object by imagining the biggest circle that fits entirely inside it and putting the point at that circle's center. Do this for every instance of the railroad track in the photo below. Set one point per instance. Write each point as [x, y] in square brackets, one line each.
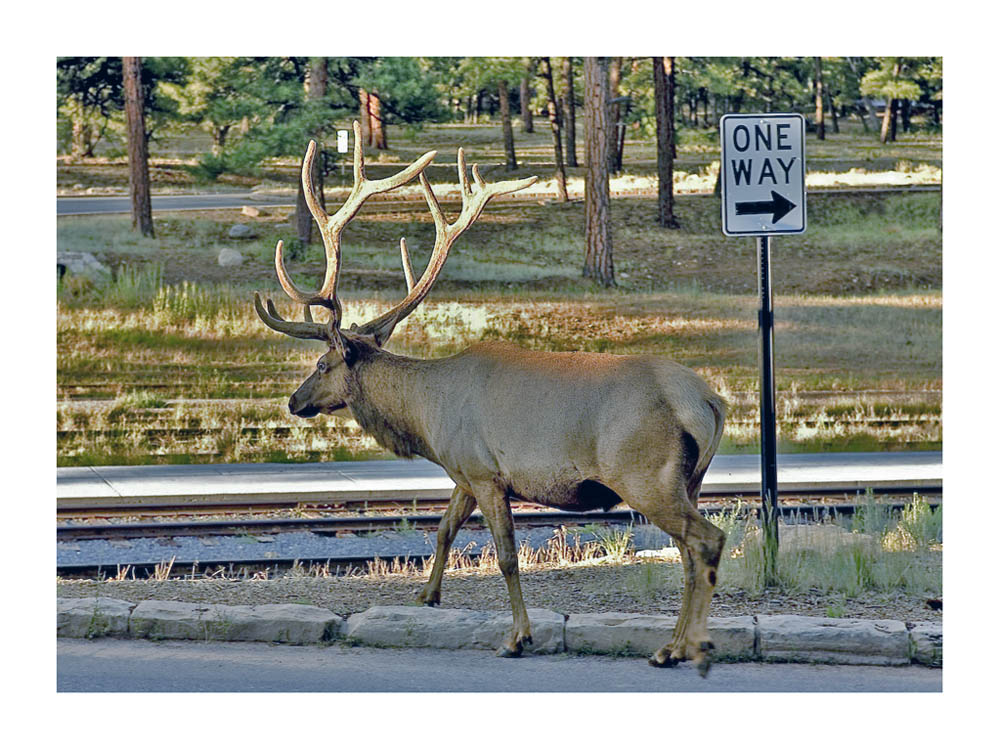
[380, 515]
[793, 510]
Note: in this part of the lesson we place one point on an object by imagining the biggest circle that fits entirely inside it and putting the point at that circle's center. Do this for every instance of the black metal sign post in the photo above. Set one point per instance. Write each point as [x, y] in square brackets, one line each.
[764, 194]
[768, 439]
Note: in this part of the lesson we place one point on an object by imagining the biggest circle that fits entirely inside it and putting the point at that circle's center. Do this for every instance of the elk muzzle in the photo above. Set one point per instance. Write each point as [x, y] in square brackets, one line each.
[301, 407]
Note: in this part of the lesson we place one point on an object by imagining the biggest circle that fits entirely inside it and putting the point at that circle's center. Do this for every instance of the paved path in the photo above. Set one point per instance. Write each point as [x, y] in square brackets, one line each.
[406, 480]
[121, 204]
[108, 664]
[116, 204]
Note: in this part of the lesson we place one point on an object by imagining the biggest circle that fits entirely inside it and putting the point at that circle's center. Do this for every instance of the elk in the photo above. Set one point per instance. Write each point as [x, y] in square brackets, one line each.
[573, 430]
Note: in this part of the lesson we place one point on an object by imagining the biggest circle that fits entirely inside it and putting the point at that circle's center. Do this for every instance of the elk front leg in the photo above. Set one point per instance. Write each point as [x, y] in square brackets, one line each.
[459, 509]
[496, 509]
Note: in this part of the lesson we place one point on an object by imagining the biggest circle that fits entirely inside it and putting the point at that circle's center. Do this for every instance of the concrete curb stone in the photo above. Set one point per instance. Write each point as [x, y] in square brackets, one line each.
[767, 637]
[926, 643]
[92, 617]
[784, 637]
[282, 623]
[426, 627]
[627, 633]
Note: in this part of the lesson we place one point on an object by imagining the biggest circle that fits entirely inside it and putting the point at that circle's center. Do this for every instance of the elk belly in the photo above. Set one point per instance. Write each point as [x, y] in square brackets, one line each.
[578, 497]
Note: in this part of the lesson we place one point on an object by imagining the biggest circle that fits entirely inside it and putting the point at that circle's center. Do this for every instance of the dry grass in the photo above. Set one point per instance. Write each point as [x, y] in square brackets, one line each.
[833, 392]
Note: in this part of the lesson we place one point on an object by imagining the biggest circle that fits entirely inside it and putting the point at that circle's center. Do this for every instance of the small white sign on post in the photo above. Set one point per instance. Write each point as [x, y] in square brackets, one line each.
[341, 141]
[763, 174]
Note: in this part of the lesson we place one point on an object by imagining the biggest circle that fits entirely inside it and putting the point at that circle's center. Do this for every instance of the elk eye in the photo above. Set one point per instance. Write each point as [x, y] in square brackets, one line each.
[321, 366]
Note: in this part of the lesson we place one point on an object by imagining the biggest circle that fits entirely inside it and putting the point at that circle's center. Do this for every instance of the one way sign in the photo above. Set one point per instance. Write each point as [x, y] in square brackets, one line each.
[763, 174]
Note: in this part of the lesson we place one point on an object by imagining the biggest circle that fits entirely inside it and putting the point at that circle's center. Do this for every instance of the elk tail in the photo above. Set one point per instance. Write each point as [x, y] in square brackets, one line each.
[718, 407]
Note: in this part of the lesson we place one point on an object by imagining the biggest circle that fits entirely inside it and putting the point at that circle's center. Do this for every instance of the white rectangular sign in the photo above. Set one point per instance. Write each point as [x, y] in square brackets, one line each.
[763, 174]
[341, 141]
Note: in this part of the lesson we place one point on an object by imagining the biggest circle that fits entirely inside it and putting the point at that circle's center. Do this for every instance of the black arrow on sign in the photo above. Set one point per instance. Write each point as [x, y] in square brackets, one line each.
[778, 206]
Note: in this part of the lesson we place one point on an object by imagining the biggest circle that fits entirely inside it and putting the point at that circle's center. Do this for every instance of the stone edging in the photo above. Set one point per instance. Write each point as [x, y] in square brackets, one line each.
[745, 638]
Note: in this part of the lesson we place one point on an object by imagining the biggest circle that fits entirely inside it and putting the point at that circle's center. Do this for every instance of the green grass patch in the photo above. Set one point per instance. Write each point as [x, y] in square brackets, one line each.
[878, 550]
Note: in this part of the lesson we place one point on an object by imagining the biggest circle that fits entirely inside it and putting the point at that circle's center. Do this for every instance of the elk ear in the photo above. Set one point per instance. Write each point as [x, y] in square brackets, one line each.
[349, 352]
[382, 333]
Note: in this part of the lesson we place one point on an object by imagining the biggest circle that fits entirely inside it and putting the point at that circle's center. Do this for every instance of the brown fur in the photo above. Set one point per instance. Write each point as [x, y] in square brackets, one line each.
[578, 431]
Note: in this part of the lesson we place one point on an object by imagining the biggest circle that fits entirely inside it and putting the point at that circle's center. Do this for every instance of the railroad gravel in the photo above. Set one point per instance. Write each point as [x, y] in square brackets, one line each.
[302, 545]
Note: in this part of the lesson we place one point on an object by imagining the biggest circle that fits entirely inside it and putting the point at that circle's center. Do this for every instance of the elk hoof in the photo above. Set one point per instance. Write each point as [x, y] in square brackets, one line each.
[704, 662]
[669, 661]
[704, 665]
[430, 600]
[506, 652]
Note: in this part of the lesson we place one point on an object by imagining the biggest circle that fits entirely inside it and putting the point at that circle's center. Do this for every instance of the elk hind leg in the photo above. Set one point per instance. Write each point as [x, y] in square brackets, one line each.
[459, 509]
[663, 658]
[701, 546]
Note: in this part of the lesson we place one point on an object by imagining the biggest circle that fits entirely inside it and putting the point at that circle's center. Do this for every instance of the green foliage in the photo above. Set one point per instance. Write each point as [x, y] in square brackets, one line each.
[920, 525]
[407, 87]
[90, 90]
[615, 543]
[893, 79]
[208, 167]
[133, 286]
[733, 523]
[871, 518]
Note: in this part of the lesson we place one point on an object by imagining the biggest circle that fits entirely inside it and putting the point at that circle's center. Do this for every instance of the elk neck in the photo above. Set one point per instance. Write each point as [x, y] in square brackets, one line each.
[390, 395]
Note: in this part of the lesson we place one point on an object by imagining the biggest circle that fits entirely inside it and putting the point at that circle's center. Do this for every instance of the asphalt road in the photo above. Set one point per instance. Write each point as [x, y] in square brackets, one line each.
[113, 665]
[123, 205]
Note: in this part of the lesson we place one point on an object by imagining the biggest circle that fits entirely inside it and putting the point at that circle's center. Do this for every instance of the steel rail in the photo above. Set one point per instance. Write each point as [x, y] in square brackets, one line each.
[338, 564]
[415, 500]
[360, 523]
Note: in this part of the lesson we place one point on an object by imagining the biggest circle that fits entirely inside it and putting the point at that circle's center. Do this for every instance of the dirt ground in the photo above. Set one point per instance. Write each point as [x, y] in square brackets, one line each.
[569, 590]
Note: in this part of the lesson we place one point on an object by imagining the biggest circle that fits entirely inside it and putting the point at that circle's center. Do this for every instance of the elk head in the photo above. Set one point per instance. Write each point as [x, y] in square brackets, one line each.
[330, 387]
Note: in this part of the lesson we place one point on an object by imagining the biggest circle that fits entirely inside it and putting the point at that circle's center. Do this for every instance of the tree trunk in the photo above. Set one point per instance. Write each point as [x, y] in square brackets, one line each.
[527, 124]
[598, 263]
[818, 84]
[316, 84]
[888, 132]
[869, 108]
[614, 79]
[477, 110]
[83, 138]
[554, 121]
[668, 65]
[664, 143]
[569, 109]
[365, 118]
[138, 155]
[508, 130]
[219, 134]
[833, 111]
[379, 140]
[889, 116]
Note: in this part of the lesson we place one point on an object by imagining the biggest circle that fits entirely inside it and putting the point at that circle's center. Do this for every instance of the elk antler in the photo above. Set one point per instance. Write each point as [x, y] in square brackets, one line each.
[331, 228]
[474, 200]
